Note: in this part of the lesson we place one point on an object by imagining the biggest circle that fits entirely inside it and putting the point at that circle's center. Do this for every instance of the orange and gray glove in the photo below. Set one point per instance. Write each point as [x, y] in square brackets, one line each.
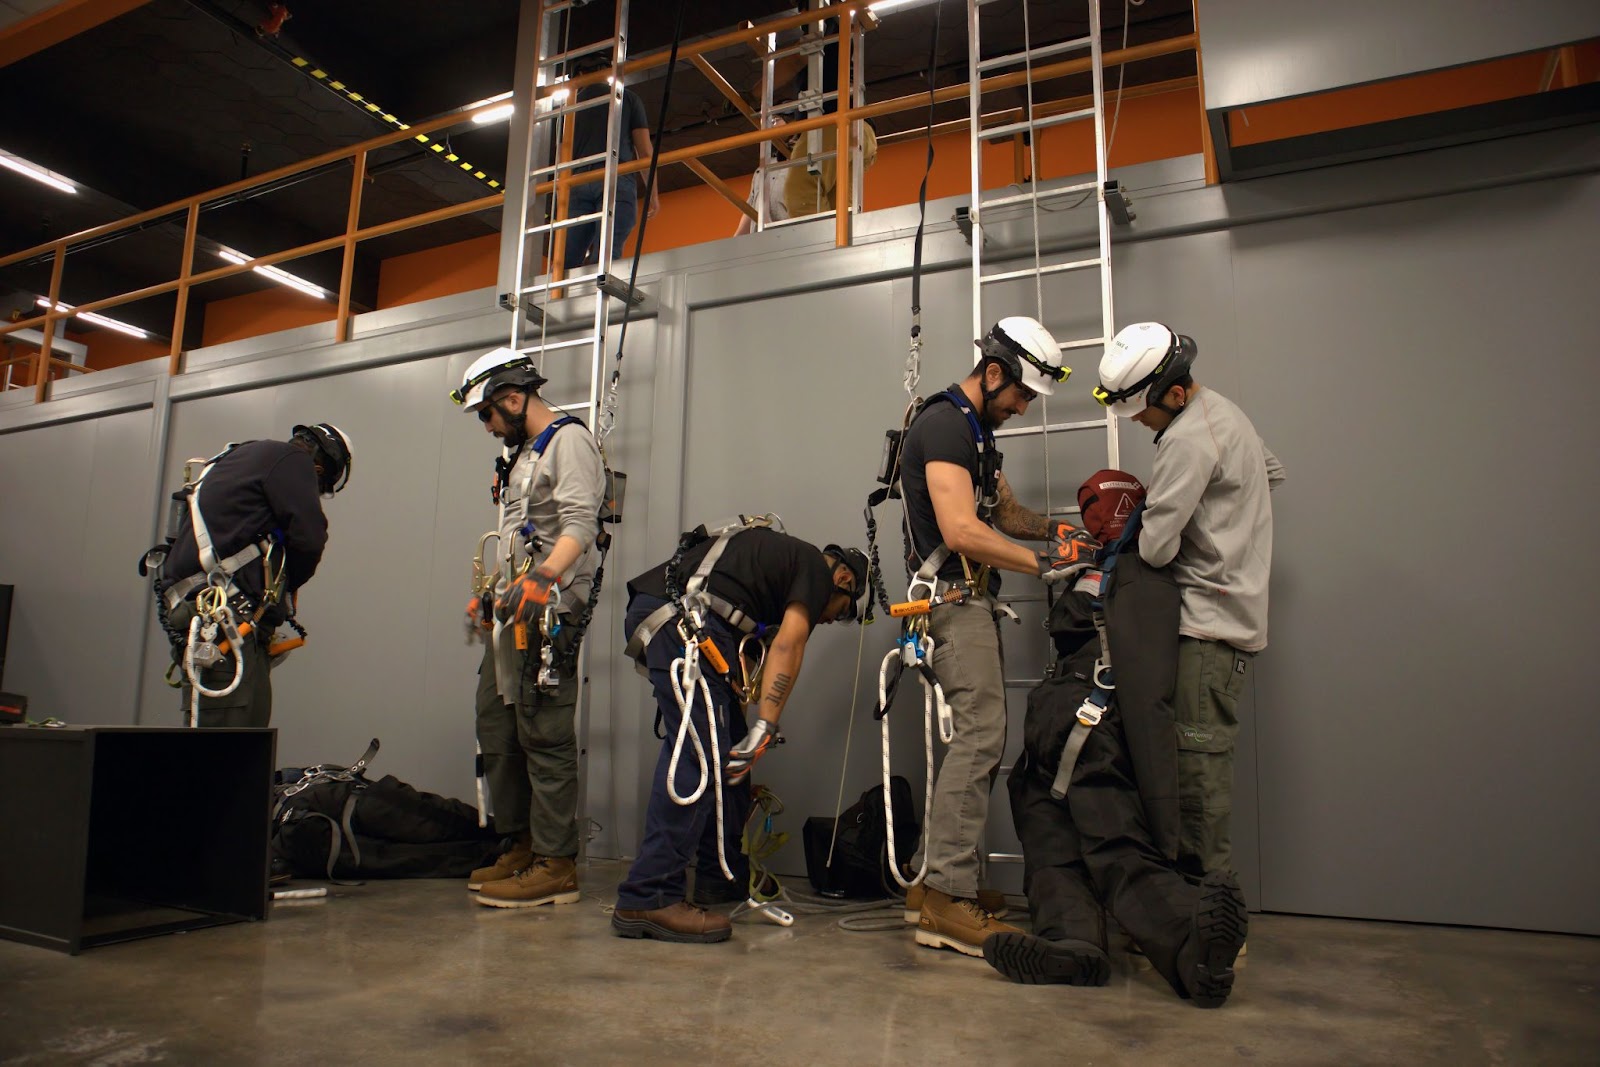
[1071, 552]
[742, 757]
[526, 597]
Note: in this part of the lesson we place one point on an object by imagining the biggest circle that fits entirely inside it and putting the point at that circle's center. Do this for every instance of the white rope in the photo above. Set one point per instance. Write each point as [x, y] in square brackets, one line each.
[933, 706]
[196, 688]
[687, 678]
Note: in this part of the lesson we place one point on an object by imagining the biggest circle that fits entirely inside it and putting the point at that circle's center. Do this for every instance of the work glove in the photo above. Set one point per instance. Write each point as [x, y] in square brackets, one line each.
[526, 597]
[480, 613]
[1071, 551]
[742, 757]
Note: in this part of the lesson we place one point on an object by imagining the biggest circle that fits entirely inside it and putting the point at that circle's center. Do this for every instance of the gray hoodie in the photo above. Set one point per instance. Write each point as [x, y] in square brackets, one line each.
[1208, 514]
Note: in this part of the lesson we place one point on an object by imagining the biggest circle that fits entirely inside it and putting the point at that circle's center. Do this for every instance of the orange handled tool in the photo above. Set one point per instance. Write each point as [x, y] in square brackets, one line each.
[710, 651]
[954, 595]
[223, 646]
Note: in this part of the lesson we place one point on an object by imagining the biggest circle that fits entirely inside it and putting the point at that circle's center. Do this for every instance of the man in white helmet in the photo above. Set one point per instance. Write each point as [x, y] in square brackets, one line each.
[1209, 517]
[251, 524]
[549, 492]
[959, 516]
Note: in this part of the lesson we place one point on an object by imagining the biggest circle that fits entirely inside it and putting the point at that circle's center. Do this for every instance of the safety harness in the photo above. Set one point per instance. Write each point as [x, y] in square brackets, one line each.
[1096, 583]
[687, 606]
[219, 604]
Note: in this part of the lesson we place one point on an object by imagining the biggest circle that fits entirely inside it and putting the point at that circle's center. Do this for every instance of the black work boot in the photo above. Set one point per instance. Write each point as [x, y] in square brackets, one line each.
[1036, 961]
[1218, 928]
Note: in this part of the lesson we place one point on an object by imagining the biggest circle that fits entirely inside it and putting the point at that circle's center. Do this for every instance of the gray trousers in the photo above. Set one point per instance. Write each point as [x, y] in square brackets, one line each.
[530, 756]
[969, 662]
[250, 705]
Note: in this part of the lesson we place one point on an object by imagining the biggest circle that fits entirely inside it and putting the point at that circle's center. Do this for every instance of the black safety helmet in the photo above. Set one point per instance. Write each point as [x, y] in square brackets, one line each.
[855, 561]
[332, 447]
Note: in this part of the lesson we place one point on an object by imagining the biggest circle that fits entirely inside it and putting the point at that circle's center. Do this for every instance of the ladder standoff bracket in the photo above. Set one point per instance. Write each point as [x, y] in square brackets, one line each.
[533, 312]
[616, 286]
[1118, 204]
[963, 220]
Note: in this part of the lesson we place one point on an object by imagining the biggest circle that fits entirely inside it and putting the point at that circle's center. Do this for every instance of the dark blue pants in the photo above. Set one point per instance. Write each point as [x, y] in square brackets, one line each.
[674, 835]
[583, 240]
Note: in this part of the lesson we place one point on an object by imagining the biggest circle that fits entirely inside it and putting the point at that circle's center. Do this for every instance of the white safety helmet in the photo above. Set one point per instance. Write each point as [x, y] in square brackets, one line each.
[1027, 351]
[490, 371]
[337, 452]
[1140, 364]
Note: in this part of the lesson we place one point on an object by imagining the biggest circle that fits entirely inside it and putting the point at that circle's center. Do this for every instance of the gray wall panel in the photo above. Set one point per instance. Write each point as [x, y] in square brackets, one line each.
[73, 501]
[1426, 744]
[1258, 50]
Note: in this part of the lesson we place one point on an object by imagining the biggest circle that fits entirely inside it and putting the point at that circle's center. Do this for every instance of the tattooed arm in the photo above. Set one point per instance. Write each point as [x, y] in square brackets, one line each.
[1017, 521]
[783, 662]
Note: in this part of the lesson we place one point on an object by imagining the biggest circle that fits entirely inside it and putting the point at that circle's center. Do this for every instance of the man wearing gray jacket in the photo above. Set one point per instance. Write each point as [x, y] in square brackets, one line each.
[1208, 515]
[550, 494]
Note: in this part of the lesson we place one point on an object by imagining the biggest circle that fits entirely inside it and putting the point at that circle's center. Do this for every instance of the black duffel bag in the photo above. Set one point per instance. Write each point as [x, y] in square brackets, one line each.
[860, 866]
[333, 822]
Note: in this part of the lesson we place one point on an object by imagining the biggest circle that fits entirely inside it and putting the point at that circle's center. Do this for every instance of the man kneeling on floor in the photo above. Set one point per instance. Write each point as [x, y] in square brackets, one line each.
[1094, 795]
[694, 625]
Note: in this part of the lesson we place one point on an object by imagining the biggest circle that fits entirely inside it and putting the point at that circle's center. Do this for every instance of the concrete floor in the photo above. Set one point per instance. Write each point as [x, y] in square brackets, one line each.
[413, 972]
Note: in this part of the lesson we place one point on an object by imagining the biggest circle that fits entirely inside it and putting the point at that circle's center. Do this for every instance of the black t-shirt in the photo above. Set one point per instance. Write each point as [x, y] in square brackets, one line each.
[939, 434]
[761, 572]
[260, 488]
[589, 127]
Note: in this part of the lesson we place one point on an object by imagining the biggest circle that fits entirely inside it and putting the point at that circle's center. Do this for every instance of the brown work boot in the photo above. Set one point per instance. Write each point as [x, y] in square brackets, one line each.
[992, 901]
[549, 880]
[514, 859]
[946, 922]
[682, 922]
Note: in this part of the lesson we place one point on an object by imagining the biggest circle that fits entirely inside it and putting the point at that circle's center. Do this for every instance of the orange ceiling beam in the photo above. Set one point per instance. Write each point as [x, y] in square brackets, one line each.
[55, 24]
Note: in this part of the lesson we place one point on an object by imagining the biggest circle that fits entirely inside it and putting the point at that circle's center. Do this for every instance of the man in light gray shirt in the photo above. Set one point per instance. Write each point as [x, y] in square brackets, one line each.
[549, 492]
[1209, 517]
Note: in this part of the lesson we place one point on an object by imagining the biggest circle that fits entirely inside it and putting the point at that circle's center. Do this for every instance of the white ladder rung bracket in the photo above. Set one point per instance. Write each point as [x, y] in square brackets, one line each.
[574, 53]
[994, 132]
[556, 345]
[545, 287]
[1054, 427]
[1042, 52]
[561, 224]
[1042, 195]
[1052, 268]
[567, 109]
[598, 157]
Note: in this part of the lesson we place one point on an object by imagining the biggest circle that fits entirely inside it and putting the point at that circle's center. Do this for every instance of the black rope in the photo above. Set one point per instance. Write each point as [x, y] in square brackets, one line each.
[922, 193]
[649, 189]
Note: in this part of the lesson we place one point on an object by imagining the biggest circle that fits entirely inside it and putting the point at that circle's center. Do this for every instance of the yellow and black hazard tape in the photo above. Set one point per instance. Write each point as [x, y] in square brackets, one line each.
[356, 98]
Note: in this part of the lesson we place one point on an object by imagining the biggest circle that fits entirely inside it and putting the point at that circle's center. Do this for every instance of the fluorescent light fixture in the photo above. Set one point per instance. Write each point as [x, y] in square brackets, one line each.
[282, 277]
[99, 320]
[494, 114]
[36, 172]
[885, 6]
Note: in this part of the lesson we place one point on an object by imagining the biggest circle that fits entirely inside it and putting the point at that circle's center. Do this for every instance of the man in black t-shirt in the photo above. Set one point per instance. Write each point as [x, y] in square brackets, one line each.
[956, 500]
[764, 583]
[589, 139]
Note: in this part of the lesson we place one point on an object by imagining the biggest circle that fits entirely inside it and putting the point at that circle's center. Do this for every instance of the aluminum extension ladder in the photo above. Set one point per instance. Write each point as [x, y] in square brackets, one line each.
[562, 319]
[1033, 199]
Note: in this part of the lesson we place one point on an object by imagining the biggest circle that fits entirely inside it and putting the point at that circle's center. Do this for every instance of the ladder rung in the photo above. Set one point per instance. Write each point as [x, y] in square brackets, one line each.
[581, 105]
[1022, 683]
[545, 287]
[581, 50]
[598, 157]
[1035, 53]
[562, 6]
[1067, 509]
[1046, 194]
[554, 345]
[1021, 598]
[1004, 857]
[576, 220]
[1037, 124]
[803, 218]
[1054, 427]
[1087, 342]
[807, 104]
[1053, 268]
[807, 44]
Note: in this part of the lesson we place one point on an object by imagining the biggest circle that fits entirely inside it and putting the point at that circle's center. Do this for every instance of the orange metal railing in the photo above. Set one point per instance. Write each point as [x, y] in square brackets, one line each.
[187, 277]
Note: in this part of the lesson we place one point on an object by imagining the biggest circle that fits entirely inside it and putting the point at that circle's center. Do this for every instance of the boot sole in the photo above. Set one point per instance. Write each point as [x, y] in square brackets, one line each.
[569, 897]
[1036, 961]
[639, 928]
[1220, 924]
[937, 940]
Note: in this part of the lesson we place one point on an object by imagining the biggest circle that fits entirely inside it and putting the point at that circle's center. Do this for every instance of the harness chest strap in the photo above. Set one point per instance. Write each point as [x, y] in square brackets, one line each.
[1094, 706]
